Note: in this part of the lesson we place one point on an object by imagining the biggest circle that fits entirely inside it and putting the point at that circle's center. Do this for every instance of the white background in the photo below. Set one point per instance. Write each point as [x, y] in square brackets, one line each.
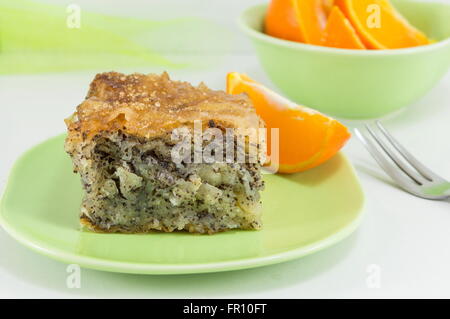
[406, 237]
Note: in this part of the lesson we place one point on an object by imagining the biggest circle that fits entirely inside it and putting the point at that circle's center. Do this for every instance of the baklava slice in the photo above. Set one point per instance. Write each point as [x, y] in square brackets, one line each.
[133, 142]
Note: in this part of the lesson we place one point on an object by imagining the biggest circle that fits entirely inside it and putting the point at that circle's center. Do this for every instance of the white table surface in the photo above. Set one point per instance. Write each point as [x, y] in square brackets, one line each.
[406, 238]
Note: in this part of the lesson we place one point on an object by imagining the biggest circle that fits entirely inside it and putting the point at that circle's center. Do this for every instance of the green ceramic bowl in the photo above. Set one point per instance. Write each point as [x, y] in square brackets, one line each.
[353, 83]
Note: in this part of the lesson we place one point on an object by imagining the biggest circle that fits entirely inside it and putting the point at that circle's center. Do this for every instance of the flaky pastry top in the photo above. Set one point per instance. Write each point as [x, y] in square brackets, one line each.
[151, 105]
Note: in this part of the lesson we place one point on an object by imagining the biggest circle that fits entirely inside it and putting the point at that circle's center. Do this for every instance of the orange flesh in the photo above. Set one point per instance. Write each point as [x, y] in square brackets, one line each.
[307, 138]
[281, 21]
[312, 18]
[297, 20]
[328, 5]
[392, 31]
[339, 32]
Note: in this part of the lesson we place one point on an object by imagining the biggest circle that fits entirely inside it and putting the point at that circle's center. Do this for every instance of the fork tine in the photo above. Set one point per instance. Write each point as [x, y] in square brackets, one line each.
[422, 169]
[400, 164]
[391, 170]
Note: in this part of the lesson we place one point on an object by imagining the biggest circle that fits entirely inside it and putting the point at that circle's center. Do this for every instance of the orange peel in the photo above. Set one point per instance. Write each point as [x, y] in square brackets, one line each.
[307, 138]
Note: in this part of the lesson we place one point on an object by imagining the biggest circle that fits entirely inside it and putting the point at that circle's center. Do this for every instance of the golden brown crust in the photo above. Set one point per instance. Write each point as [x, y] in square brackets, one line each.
[151, 105]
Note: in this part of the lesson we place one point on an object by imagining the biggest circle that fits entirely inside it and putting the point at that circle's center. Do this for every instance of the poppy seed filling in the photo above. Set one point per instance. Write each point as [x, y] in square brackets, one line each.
[132, 185]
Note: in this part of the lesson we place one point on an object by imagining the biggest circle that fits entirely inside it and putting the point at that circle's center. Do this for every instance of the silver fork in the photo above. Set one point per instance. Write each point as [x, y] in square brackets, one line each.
[405, 170]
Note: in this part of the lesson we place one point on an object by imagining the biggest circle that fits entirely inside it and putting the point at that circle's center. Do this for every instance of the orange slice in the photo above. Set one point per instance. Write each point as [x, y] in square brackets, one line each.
[281, 21]
[312, 19]
[339, 32]
[380, 26]
[297, 20]
[307, 138]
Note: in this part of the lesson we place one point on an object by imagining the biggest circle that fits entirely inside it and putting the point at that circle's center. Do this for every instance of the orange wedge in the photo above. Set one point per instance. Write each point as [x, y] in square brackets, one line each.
[339, 32]
[307, 138]
[380, 26]
[297, 20]
[312, 19]
[282, 22]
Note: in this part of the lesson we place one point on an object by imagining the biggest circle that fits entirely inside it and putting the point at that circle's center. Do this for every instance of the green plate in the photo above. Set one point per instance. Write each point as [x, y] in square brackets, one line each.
[303, 213]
